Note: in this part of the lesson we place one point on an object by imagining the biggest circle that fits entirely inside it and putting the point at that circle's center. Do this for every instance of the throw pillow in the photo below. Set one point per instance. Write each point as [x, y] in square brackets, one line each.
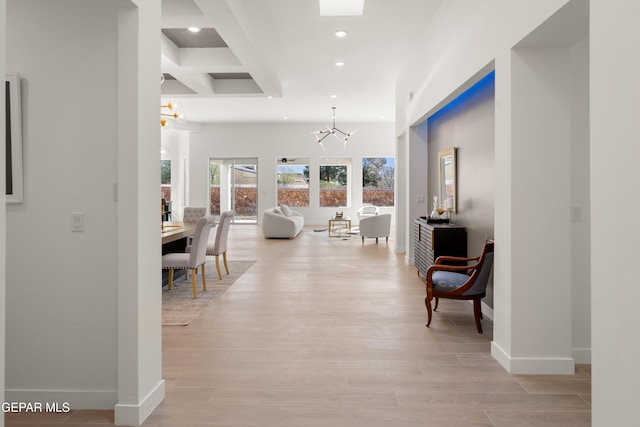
[286, 210]
[278, 211]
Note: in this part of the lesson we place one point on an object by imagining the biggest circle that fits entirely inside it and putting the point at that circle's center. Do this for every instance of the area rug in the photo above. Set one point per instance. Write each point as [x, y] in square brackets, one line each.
[178, 306]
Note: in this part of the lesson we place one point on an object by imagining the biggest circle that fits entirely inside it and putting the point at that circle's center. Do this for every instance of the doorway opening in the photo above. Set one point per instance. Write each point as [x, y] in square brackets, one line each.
[233, 185]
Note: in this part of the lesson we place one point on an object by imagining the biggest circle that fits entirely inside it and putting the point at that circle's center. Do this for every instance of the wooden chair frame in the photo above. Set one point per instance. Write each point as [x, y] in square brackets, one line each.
[458, 265]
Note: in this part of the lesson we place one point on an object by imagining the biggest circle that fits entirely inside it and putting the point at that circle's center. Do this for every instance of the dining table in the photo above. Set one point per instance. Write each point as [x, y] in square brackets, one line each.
[173, 231]
[174, 239]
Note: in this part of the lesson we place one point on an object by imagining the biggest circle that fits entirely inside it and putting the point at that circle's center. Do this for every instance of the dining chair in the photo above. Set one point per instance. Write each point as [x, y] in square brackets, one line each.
[195, 258]
[191, 214]
[452, 277]
[219, 245]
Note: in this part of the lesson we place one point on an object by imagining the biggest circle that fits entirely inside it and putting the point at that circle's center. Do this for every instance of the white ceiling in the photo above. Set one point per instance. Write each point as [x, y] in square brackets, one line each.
[290, 52]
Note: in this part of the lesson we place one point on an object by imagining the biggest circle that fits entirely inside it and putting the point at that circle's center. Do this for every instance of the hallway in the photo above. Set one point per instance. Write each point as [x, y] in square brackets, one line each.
[321, 333]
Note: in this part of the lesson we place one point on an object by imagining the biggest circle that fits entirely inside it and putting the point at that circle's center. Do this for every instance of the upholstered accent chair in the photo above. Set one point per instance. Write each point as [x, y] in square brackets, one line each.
[454, 278]
[193, 259]
[367, 211]
[375, 226]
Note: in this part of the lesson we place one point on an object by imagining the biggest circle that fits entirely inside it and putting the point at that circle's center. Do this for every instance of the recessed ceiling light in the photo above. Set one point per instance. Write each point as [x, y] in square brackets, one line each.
[286, 118]
[340, 33]
[340, 63]
[194, 29]
[334, 96]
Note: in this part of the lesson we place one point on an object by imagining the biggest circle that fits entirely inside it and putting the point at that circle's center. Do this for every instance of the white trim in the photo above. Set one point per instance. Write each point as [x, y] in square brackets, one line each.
[486, 311]
[531, 365]
[582, 356]
[77, 399]
[134, 415]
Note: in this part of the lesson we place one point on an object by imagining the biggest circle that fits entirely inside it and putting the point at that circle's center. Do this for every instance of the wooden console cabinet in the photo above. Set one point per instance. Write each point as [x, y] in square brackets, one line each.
[434, 240]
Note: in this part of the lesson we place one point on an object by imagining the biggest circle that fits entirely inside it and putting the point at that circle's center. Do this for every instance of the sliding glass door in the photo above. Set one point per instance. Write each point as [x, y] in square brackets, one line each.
[233, 185]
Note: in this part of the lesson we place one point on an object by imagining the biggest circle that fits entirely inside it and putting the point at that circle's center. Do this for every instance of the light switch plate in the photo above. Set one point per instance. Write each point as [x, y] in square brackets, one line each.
[576, 213]
[77, 221]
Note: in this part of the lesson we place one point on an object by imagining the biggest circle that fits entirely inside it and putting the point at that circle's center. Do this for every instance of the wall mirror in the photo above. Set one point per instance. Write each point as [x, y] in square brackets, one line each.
[447, 175]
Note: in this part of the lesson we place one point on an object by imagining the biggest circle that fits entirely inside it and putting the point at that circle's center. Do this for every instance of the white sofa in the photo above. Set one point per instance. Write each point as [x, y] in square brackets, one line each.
[281, 223]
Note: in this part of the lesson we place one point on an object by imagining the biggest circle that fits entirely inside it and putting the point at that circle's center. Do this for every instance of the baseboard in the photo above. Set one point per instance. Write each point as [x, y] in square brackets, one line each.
[73, 399]
[582, 356]
[486, 311]
[134, 415]
[533, 365]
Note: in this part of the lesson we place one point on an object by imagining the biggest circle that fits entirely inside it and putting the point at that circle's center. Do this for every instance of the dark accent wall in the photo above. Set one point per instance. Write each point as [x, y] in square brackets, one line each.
[468, 123]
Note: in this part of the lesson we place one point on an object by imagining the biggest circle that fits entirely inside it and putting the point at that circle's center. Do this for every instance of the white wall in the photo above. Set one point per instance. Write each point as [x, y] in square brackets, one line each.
[540, 179]
[580, 187]
[466, 38]
[84, 308]
[268, 142]
[615, 150]
[417, 193]
[457, 49]
[3, 215]
[402, 202]
[462, 38]
[178, 143]
[62, 329]
[139, 315]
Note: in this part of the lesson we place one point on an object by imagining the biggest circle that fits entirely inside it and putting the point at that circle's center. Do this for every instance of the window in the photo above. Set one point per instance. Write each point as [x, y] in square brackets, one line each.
[378, 184]
[233, 185]
[293, 181]
[334, 182]
[165, 179]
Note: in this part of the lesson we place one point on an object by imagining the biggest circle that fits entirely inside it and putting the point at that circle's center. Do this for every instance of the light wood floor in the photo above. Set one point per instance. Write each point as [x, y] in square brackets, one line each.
[321, 333]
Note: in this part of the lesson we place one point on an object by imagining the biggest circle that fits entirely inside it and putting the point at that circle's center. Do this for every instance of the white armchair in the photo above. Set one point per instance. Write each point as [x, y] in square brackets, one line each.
[376, 226]
[367, 211]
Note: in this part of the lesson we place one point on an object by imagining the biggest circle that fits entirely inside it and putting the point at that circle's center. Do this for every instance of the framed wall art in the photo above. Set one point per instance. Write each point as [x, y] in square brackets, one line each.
[13, 139]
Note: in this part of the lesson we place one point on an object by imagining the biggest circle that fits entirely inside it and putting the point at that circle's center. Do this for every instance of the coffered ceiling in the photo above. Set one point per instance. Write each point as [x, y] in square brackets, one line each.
[275, 60]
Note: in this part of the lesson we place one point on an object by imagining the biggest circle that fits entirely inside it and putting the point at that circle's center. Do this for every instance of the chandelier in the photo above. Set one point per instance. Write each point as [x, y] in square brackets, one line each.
[337, 133]
[171, 110]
